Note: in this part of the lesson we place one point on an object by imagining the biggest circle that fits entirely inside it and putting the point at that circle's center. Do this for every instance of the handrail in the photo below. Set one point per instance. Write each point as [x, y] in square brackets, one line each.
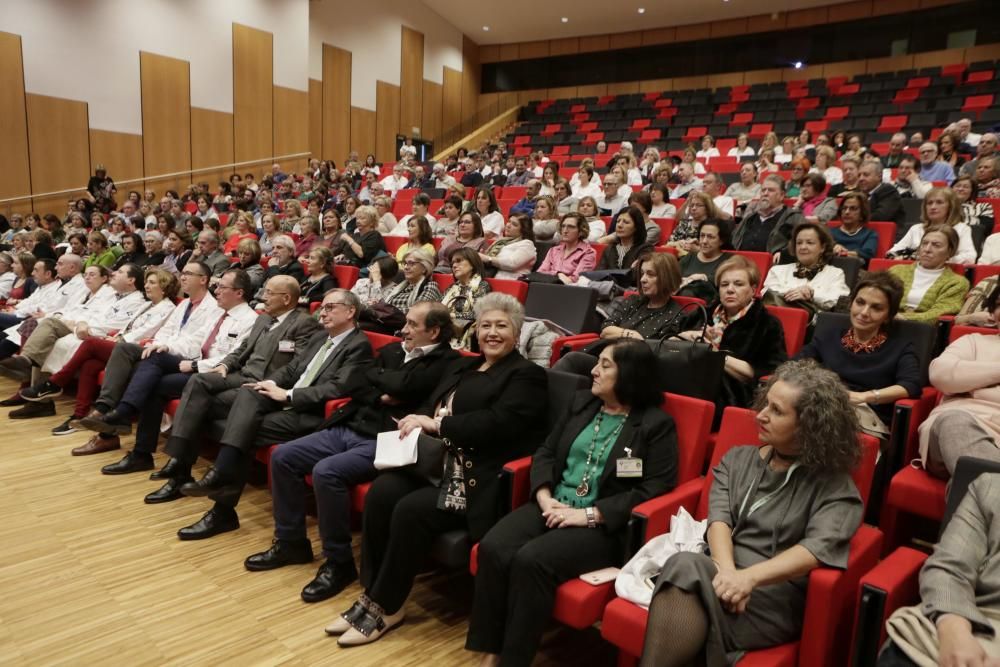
[494, 126]
[454, 135]
[200, 170]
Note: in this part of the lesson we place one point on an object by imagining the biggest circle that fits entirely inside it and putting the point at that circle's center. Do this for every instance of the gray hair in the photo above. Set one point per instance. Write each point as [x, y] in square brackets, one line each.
[153, 235]
[778, 180]
[424, 257]
[505, 303]
[209, 235]
[827, 425]
[282, 240]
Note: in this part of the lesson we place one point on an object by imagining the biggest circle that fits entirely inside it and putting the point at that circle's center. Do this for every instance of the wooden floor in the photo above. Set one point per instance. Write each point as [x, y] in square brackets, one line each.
[90, 575]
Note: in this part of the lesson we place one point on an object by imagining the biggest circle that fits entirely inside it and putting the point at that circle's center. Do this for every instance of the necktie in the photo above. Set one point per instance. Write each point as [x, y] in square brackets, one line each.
[212, 336]
[187, 313]
[312, 370]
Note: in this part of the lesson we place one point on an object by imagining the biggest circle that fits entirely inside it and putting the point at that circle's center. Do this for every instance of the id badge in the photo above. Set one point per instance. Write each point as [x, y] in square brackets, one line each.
[628, 467]
[286, 346]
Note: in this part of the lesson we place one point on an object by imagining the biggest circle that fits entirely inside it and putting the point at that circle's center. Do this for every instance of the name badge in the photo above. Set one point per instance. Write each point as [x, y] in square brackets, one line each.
[629, 466]
[286, 346]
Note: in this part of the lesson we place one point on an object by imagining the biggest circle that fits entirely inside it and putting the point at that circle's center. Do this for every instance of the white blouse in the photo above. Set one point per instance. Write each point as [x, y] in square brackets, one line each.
[966, 253]
[828, 285]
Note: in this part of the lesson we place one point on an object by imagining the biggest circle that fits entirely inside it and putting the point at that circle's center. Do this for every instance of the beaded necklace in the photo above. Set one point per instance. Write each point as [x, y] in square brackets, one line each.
[857, 347]
[584, 487]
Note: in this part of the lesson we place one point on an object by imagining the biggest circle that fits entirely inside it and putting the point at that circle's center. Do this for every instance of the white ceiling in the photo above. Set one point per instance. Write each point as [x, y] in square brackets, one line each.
[529, 20]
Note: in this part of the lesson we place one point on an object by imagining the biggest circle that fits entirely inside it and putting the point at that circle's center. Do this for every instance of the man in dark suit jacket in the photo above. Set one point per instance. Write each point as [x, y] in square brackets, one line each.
[343, 453]
[883, 199]
[288, 404]
[270, 344]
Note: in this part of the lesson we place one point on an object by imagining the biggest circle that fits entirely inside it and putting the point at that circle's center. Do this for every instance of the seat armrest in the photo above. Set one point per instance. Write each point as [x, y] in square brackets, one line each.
[516, 482]
[891, 584]
[908, 414]
[335, 404]
[652, 517]
[565, 344]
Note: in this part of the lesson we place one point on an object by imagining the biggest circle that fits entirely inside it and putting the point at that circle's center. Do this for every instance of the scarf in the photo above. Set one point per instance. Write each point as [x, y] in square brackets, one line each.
[808, 272]
[414, 293]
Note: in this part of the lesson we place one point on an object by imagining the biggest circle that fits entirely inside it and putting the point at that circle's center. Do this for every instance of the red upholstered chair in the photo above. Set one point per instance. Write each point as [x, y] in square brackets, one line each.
[830, 600]
[977, 103]
[761, 259]
[516, 288]
[443, 280]
[893, 123]
[394, 243]
[886, 234]
[981, 272]
[666, 226]
[346, 275]
[794, 321]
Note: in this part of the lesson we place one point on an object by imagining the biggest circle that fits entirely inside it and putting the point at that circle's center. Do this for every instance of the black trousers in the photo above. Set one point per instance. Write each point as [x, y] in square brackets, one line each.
[893, 656]
[521, 563]
[400, 523]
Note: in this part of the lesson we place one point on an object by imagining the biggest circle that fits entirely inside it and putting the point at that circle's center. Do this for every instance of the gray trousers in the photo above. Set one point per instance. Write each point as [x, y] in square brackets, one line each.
[117, 374]
[955, 434]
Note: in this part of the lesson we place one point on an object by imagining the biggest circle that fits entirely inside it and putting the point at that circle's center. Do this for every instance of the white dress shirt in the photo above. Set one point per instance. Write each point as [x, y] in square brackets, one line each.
[185, 340]
[234, 329]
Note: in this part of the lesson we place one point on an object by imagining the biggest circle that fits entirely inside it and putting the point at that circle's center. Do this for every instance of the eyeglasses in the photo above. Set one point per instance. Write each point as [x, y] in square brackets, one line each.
[194, 274]
[328, 307]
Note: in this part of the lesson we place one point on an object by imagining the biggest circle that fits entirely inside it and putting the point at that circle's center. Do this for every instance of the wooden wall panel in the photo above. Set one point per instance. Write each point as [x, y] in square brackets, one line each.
[729, 79]
[316, 118]
[526, 50]
[889, 64]
[58, 149]
[805, 17]
[15, 171]
[253, 99]
[766, 22]
[411, 77]
[595, 90]
[291, 126]
[594, 43]
[690, 33]
[471, 74]
[363, 131]
[851, 11]
[883, 7]
[119, 152]
[625, 40]
[804, 74]
[451, 101]
[508, 52]
[430, 117]
[624, 88]
[938, 58]
[690, 82]
[212, 146]
[564, 47]
[489, 53]
[656, 85]
[336, 103]
[386, 120]
[658, 36]
[762, 76]
[563, 93]
[525, 96]
[729, 28]
[166, 120]
[848, 68]
[982, 52]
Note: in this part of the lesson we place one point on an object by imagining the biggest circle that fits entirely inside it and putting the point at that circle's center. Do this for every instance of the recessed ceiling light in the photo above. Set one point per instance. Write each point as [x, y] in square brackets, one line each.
[564, 20]
[642, 10]
[798, 64]
[486, 28]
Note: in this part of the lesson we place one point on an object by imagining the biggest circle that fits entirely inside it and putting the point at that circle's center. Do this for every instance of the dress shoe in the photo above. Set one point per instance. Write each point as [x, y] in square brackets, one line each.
[369, 628]
[343, 623]
[211, 483]
[170, 470]
[281, 553]
[12, 401]
[16, 368]
[171, 490]
[131, 462]
[75, 422]
[109, 423]
[41, 392]
[97, 445]
[32, 410]
[330, 579]
[213, 523]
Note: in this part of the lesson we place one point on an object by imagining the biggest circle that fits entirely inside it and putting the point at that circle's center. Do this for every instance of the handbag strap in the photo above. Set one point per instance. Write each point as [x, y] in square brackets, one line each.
[680, 311]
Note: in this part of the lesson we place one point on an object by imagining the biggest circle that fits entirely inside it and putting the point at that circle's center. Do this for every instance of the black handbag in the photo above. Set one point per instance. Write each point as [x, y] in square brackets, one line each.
[689, 368]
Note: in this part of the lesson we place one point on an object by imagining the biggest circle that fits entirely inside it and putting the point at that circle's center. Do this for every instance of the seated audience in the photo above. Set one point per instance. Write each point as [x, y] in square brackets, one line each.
[8, 277]
[544, 219]
[208, 252]
[769, 227]
[588, 209]
[421, 204]
[242, 228]
[742, 147]
[133, 251]
[988, 176]
[565, 201]
[573, 255]
[687, 181]
[811, 282]
[713, 186]
[825, 165]
[575, 521]
[814, 202]
[464, 293]
[319, 266]
[931, 167]
[447, 226]
[853, 238]
[610, 200]
[417, 285]
[98, 252]
[940, 208]
[248, 253]
[977, 215]
[877, 366]
[283, 262]
[469, 235]
[333, 234]
[514, 254]
[750, 592]
[660, 198]
[420, 236]
[379, 282]
[486, 206]
[585, 183]
[625, 246]
[930, 288]
[361, 247]
[800, 169]
[884, 201]
[908, 182]
[849, 166]
[698, 208]
[698, 268]
[974, 311]
[488, 410]
[155, 254]
[526, 204]
[386, 220]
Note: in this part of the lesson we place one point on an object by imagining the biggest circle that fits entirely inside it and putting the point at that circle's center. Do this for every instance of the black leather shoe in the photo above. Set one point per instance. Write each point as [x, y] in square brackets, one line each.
[330, 580]
[213, 523]
[280, 554]
[111, 422]
[32, 410]
[16, 368]
[169, 491]
[171, 469]
[12, 401]
[131, 462]
[212, 482]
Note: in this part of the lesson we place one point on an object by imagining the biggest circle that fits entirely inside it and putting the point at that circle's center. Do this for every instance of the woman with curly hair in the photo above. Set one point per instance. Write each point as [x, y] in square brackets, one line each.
[775, 513]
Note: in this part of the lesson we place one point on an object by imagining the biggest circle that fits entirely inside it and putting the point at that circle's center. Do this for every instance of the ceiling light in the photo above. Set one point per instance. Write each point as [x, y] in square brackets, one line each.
[798, 64]
[564, 20]
[642, 10]
[486, 28]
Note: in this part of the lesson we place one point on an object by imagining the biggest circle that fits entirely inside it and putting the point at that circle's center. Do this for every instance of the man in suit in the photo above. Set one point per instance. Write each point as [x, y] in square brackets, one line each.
[182, 335]
[343, 453]
[208, 252]
[286, 405]
[883, 199]
[268, 345]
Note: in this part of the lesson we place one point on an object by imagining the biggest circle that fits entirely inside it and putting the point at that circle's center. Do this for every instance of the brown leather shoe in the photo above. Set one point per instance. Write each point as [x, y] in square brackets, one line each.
[97, 445]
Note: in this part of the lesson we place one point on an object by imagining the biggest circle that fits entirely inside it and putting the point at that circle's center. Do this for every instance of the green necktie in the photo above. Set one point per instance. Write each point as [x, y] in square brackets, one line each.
[312, 370]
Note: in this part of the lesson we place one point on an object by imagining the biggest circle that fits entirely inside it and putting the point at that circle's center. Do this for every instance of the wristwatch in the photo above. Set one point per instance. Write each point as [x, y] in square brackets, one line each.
[591, 518]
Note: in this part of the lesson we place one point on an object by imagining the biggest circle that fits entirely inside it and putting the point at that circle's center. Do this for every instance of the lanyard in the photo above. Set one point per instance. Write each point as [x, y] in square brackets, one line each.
[760, 502]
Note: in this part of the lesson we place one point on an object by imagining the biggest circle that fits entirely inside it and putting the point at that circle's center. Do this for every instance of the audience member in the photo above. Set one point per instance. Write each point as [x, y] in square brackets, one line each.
[884, 201]
[853, 238]
[461, 297]
[469, 235]
[513, 255]
[940, 208]
[769, 227]
[811, 282]
[930, 288]
[814, 201]
[933, 169]
[573, 255]
[908, 182]
[748, 188]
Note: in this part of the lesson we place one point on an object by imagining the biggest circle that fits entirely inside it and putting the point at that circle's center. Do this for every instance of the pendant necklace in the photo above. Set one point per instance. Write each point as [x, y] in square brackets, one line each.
[584, 487]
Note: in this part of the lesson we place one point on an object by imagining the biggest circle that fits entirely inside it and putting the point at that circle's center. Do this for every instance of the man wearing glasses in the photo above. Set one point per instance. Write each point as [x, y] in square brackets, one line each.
[342, 453]
[932, 169]
[289, 403]
[182, 336]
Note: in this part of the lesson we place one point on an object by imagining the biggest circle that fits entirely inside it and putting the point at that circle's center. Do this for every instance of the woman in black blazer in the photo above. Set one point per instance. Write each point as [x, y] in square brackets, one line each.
[487, 410]
[614, 449]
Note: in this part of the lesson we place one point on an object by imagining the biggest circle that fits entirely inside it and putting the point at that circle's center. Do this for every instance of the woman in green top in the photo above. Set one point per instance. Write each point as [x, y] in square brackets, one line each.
[99, 253]
[612, 450]
[930, 288]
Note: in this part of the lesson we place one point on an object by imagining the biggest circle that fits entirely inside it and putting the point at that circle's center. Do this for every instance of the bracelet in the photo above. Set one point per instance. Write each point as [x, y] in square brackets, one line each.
[591, 519]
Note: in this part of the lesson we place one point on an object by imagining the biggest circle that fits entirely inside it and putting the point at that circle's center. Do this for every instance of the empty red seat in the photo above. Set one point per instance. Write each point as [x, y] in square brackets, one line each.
[797, 93]
[667, 112]
[589, 126]
[663, 102]
[649, 97]
[649, 135]
[837, 113]
[521, 140]
[815, 126]
[919, 82]
[956, 71]
[550, 129]
[579, 117]
[728, 107]
[980, 77]
[848, 89]
[695, 132]
[892, 123]
[560, 150]
[744, 118]
[606, 99]
[593, 138]
[758, 130]
[640, 123]
[578, 108]
[906, 95]
[742, 96]
[977, 103]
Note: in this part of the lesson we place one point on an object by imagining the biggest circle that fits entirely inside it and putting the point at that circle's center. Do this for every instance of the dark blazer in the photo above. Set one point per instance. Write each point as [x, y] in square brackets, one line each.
[353, 355]
[609, 259]
[293, 269]
[409, 384]
[218, 262]
[781, 229]
[262, 348]
[494, 422]
[313, 292]
[886, 204]
[371, 243]
[649, 433]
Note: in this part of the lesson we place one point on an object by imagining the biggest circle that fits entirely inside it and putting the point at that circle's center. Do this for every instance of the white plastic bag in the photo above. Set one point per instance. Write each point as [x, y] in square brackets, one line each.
[636, 580]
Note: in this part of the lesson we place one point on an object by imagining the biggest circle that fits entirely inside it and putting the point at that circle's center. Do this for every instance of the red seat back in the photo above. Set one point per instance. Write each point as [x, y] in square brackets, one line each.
[516, 288]
[960, 330]
[346, 275]
[693, 419]
[378, 341]
[794, 322]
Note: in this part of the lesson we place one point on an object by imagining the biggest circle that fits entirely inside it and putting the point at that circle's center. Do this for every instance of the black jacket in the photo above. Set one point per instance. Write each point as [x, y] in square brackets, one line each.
[886, 204]
[409, 384]
[493, 422]
[609, 259]
[293, 269]
[649, 433]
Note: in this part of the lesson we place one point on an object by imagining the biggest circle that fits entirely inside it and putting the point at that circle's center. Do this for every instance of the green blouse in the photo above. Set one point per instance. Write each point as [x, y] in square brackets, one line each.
[600, 434]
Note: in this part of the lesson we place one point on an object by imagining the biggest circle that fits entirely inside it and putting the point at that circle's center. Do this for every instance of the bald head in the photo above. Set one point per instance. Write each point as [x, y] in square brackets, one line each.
[281, 294]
